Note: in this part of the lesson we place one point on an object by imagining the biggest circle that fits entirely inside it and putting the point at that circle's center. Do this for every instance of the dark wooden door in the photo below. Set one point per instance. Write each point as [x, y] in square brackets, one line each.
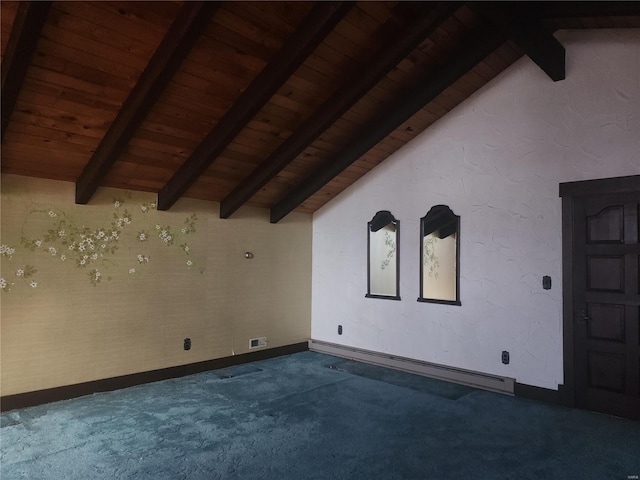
[606, 308]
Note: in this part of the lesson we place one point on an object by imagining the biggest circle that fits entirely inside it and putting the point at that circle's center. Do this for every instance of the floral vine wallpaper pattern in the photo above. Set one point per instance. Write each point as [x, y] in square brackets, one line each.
[91, 250]
[429, 257]
[390, 242]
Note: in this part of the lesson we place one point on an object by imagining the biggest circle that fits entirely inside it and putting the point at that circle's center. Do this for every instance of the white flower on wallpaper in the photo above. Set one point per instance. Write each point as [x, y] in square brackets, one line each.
[92, 249]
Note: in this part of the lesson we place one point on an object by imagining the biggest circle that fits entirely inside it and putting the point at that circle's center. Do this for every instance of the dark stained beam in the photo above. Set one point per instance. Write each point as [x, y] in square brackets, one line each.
[22, 43]
[397, 42]
[308, 35]
[372, 132]
[521, 23]
[173, 49]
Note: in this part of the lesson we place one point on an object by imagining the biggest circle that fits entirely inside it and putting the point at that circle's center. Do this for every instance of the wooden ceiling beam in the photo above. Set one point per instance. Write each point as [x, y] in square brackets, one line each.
[521, 23]
[398, 41]
[23, 40]
[372, 132]
[308, 35]
[173, 49]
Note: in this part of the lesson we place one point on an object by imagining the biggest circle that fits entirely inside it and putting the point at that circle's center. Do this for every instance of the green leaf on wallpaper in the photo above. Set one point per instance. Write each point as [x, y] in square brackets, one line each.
[91, 249]
[190, 224]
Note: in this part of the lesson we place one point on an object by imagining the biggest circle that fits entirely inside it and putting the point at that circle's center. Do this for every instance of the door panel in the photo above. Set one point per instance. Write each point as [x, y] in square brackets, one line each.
[606, 294]
[606, 322]
[606, 226]
[606, 371]
[605, 273]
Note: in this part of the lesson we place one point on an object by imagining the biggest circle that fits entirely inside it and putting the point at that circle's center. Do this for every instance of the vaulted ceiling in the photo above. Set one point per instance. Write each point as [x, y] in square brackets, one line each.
[280, 105]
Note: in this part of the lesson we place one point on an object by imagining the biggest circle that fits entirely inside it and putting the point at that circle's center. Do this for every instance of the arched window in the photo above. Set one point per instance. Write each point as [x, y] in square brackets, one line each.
[440, 256]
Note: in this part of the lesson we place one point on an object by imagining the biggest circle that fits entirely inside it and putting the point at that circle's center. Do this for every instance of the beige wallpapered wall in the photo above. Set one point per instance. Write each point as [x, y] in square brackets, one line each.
[114, 287]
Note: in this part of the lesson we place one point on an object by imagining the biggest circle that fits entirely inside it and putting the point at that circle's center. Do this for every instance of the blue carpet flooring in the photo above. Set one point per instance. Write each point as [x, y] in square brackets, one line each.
[313, 416]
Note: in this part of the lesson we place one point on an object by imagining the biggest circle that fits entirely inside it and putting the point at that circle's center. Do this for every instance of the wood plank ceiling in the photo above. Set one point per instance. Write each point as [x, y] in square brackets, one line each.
[279, 105]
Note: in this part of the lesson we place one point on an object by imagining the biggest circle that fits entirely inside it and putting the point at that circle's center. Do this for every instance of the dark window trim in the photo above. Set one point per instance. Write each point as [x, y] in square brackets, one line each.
[388, 217]
[451, 215]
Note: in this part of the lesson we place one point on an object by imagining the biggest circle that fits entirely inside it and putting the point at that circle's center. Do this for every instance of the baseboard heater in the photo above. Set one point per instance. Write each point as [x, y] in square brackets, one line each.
[470, 378]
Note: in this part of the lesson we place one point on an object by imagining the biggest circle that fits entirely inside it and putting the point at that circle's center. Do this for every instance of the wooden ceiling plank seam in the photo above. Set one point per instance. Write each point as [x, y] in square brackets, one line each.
[315, 76]
[22, 44]
[322, 19]
[301, 96]
[521, 25]
[25, 138]
[173, 48]
[71, 17]
[337, 42]
[250, 136]
[156, 15]
[81, 57]
[402, 39]
[171, 130]
[24, 105]
[64, 157]
[240, 24]
[92, 47]
[471, 53]
[157, 155]
[79, 71]
[31, 172]
[221, 45]
[166, 123]
[192, 100]
[202, 118]
[57, 125]
[226, 88]
[153, 137]
[284, 13]
[39, 131]
[182, 114]
[39, 74]
[232, 41]
[135, 159]
[214, 74]
[66, 108]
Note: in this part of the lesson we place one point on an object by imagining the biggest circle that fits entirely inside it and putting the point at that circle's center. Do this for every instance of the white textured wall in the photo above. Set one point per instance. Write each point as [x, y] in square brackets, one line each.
[497, 161]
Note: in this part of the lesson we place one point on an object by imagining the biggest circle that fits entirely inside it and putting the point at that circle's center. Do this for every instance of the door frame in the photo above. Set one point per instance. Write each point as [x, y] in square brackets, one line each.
[570, 192]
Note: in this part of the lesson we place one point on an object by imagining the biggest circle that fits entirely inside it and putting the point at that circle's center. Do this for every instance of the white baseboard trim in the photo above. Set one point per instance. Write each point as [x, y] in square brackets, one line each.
[470, 378]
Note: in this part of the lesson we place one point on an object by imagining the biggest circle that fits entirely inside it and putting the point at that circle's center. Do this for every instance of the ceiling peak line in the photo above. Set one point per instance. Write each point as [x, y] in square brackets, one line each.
[23, 41]
[307, 36]
[172, 50]
[401, 40]
[371, 133]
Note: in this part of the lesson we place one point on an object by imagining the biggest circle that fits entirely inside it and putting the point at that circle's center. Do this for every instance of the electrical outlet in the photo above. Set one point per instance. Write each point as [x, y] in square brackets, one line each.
[505, 357]
[339, 329]
[187, 344]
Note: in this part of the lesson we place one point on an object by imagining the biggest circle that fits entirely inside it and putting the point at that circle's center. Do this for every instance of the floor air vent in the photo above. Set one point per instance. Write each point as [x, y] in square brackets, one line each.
[258, 342]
